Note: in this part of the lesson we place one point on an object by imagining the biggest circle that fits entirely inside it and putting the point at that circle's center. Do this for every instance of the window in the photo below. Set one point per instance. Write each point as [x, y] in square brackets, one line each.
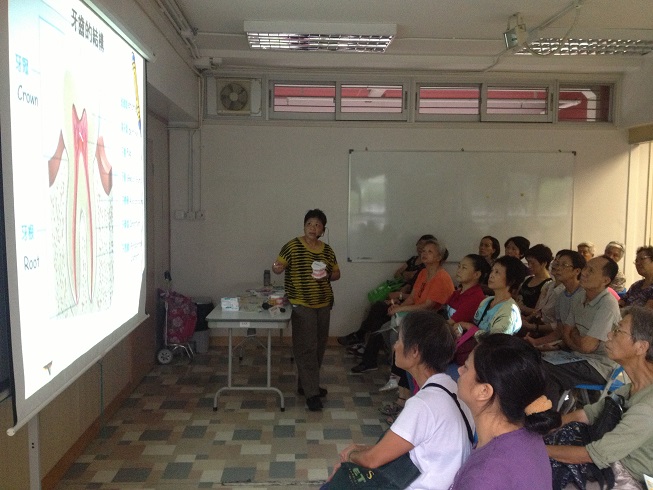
[338, 101]
[304, 98]
[589, 103]
[525, 104]
[448, 102]
[372, 102]
[371, 98]
[355, 100]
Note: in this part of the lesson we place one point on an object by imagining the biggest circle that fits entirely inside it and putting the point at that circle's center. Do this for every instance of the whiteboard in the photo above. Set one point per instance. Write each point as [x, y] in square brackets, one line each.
[397, 196]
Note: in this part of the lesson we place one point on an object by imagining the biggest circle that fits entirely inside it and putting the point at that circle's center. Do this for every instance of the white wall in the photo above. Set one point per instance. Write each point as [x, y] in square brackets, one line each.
[167, 71]
[257, 181]
[637, 96]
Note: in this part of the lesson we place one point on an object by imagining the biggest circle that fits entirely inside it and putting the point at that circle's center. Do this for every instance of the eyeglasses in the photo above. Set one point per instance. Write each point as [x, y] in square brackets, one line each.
[558, 264]
[641, 259]
[616, 331]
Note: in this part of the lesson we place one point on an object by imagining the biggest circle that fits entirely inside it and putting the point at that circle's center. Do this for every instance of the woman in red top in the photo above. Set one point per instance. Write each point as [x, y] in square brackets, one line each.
[473, 270]
[461, 306]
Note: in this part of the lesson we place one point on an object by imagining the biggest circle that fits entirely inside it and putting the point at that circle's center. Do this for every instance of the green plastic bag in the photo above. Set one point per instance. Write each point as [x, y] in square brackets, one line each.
[381, 292]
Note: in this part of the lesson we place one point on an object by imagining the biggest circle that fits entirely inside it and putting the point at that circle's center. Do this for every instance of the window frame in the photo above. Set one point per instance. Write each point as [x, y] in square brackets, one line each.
[446, 117]
[318, 116]
[373, 116]
[412, 85]
[524, 118]
[612, 97]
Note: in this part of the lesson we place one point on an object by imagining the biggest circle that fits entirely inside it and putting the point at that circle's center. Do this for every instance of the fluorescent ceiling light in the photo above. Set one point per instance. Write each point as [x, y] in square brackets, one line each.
[583, 47]
[367, 38]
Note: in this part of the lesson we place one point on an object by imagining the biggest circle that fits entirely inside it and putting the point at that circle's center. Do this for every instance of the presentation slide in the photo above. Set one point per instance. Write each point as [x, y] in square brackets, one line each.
[77, 190]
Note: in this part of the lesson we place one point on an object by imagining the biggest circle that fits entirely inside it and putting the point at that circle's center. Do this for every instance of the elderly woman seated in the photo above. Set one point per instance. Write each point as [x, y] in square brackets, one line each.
[434, 428]
[628, 448]
[641, 292]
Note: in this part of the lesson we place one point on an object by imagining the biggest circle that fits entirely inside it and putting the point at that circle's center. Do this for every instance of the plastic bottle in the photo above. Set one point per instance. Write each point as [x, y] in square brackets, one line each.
[266, 278]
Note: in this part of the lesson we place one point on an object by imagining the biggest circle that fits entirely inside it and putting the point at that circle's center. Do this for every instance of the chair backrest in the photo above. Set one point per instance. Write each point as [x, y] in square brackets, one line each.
[612, 384]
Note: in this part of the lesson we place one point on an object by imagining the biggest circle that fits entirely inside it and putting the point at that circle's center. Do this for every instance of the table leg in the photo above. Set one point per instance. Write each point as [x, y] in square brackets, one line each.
[268, 386]
[229, 363]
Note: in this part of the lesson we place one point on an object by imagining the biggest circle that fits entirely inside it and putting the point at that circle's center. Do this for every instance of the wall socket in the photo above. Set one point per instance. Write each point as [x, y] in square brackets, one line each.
[189, 215]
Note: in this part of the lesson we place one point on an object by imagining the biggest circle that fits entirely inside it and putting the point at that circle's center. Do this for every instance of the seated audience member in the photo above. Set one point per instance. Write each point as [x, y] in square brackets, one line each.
[593, 313]
[432, 429]
[641, 292]
[489, 248]
[408, 273]
[517, 246]
[499, 313]
[539, 258]
[615, 251]
[431, 290]
[460, 307]
[628, 448]
[502, 382]
[543, 320]
[566, 269]
[586, 249]
[463, 303]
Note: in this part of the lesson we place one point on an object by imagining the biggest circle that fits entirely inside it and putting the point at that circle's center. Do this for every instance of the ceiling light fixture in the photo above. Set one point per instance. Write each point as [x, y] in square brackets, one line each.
[365, 38]
[585, 47]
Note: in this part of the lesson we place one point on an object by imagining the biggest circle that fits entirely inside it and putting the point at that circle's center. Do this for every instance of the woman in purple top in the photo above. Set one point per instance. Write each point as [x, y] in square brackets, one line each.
[641, 292]
[502, 382]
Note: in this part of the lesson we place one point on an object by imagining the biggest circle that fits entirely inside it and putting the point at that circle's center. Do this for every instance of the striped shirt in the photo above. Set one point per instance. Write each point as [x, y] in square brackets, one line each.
[301, 288]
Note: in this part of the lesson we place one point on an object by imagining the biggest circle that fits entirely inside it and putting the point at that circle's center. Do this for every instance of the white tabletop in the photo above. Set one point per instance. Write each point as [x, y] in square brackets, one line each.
[262, 316]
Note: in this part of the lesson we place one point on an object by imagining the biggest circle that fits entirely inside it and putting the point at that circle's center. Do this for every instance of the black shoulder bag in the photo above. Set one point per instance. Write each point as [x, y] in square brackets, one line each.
[580, 434]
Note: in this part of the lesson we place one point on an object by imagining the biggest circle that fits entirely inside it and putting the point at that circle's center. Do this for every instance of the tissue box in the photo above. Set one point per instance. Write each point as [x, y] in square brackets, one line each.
[229, 304]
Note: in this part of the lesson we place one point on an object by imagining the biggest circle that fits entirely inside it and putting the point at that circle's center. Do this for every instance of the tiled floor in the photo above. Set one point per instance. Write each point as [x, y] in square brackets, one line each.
[167, 436]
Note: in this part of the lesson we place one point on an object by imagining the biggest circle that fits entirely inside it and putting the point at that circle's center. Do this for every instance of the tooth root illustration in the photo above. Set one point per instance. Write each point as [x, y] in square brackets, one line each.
[80, 214]
[55, 162]
[106, 171]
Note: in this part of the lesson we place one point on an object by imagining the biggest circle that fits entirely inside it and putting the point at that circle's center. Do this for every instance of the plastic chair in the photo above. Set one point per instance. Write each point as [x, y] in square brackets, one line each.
[613, 383]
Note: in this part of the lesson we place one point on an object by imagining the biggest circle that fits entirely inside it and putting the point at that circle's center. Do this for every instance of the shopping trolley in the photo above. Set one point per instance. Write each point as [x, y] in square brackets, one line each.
[177, 317]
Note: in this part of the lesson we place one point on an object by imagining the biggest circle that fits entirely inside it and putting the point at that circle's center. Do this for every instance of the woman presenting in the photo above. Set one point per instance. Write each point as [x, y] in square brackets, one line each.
[310, 265]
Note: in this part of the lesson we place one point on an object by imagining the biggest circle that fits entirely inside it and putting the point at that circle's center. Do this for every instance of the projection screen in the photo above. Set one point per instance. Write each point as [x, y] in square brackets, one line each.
[74, 194]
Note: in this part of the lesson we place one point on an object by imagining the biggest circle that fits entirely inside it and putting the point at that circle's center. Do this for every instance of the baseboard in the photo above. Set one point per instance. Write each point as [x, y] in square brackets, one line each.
[52, 478]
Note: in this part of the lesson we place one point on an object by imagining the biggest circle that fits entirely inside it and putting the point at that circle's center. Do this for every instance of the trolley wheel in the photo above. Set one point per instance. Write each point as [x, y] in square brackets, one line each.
[164, 356]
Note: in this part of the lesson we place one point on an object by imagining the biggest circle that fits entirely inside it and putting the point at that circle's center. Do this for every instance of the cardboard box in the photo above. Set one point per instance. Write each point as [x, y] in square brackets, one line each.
[229, 304]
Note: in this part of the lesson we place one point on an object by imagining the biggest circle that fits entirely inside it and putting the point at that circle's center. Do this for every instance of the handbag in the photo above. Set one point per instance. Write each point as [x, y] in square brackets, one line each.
[466, 342]
[394, 475]
[580, 434]
[381, 292]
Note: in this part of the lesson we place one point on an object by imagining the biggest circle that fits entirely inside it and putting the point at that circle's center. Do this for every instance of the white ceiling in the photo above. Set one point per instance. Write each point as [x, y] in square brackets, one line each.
[433, 35]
